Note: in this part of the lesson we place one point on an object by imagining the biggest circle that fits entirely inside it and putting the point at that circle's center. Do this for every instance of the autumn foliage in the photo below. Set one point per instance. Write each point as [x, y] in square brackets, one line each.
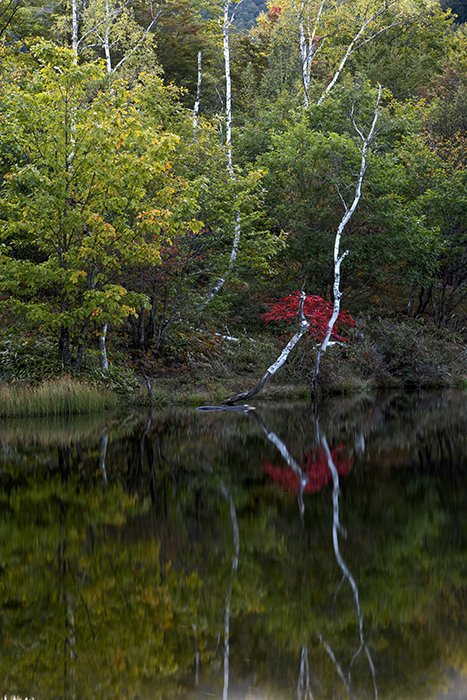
[315, 469]
[317, 311]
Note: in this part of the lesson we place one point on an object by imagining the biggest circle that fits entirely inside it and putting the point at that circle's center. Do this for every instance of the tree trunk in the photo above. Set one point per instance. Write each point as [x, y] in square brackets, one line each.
[338, 258]
[106, 41]
[275, 367]
[226, 24]
[64, 348]
[75, 29]
[198, 95]
[103, 347]
[355, 44]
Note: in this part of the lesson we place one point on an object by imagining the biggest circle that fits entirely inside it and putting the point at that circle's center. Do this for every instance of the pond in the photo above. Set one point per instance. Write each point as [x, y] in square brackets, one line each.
[193, 554]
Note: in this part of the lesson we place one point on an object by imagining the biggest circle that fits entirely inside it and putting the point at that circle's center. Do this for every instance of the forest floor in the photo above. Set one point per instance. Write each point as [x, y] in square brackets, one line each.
[200, 368]
[381, 354]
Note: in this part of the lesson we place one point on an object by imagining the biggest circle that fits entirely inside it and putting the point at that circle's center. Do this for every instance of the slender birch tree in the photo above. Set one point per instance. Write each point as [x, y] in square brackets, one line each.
[110, 29]
[338, 260]
[338, 256]
[197, 104]
[226, 21]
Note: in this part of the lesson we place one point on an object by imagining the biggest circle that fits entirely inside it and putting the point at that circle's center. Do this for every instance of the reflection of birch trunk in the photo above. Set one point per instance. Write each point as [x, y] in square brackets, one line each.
[104, 441]
[197, 654]
[338, 257]
[336, 528]
[70, 646]
[275, 367]
[228, 599]
[292, 463]
[304, 684]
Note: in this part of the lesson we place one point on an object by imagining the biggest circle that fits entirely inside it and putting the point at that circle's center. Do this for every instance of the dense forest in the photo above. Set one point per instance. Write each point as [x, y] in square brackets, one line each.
[174, 173]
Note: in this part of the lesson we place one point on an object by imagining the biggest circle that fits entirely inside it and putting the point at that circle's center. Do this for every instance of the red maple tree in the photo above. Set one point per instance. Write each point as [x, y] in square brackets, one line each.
[315, 469]
[317, 312]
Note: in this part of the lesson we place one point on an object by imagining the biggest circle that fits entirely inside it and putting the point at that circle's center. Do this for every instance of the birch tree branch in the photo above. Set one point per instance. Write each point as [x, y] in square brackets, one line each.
[353, 46]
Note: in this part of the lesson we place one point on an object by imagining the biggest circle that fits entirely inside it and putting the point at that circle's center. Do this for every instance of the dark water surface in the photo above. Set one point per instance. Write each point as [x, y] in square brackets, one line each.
[192, 555]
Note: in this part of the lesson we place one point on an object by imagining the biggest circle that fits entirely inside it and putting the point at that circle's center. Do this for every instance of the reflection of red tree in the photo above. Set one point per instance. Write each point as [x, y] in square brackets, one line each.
[315, 469]
[317, 312]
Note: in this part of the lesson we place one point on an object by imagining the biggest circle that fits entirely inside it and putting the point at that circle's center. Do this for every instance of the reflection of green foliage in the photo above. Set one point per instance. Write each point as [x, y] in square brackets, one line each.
[147, 577]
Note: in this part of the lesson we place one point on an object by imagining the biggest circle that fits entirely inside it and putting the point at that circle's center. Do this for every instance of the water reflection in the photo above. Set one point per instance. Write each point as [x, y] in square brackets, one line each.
[155, 557]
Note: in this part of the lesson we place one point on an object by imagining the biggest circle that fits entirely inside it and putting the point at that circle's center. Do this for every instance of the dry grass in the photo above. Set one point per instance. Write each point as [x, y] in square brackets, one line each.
[54, 397]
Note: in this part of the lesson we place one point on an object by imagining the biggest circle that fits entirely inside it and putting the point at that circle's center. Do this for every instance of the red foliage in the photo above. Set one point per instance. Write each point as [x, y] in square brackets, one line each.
[274, 12]
[314, 467]
[317, 311]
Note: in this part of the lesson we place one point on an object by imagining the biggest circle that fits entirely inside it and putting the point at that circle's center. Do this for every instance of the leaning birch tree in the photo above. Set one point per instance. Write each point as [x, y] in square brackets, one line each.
[339, 257]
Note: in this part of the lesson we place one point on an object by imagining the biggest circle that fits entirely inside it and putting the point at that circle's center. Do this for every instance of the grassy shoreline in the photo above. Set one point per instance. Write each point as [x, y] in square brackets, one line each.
[66, 396]
[383, 354]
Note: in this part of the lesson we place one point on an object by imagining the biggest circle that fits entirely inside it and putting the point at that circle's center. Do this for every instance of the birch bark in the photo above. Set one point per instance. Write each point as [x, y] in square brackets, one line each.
[198, 95]
[355, 44]
[338, 257]
[228, 17]
[275, 367]
[308, 46]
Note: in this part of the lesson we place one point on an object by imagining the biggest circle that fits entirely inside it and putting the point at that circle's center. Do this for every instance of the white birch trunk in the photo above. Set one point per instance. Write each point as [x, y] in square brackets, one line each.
[228, 84]
[338, 258]
[106, 40]
[308, 48]
[227, 20]
[75, 29]
[198, 94]
[275, 367]
[306, 62]
[103, 347]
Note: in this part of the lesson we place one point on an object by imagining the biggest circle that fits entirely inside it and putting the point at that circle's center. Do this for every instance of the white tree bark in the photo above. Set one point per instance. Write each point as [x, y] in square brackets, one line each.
[198, 94]
[275, 367]
[104, 37]
[75, 28]
[226, 24]
[308, 47]
[355, 44]
[338, 257]
[106, 40]
[228, 17]
[103, 347]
